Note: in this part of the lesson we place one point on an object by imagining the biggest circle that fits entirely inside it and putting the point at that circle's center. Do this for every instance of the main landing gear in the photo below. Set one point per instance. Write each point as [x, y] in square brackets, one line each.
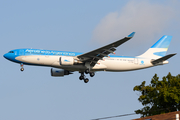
[22, 68]
[83, 77]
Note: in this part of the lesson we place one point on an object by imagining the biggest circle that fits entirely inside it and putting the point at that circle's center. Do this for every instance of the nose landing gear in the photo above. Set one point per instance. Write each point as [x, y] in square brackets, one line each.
[22, 69]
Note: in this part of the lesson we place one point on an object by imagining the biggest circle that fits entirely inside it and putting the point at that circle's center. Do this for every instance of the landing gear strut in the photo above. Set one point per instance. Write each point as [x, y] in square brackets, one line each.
[82, 76]
[22, 69]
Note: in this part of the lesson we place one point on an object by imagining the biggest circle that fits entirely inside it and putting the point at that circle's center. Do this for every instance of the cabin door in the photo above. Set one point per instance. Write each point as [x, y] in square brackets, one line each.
[135, 61]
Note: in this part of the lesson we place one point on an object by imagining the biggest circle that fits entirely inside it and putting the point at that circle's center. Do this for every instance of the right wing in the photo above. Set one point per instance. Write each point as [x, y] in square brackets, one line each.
[95, 55]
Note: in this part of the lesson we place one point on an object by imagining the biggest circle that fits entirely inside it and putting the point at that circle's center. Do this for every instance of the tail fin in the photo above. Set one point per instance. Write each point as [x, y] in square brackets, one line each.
[159, 49]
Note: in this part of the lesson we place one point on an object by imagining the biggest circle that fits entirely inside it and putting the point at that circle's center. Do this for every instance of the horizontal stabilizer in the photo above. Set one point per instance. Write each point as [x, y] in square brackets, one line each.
[162, 59]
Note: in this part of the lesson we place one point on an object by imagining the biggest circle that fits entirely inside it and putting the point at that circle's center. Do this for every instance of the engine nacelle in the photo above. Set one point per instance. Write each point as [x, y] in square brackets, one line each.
[59, 72]
[66, 61]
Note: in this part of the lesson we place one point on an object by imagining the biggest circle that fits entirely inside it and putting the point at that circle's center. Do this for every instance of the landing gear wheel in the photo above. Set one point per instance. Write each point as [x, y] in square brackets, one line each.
[92, 74]
[86, 80]
[81, 77]
[87, 71]
[22, 69]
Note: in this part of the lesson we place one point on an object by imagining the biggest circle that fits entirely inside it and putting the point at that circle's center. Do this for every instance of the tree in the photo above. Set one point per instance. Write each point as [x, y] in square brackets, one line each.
[159, 96]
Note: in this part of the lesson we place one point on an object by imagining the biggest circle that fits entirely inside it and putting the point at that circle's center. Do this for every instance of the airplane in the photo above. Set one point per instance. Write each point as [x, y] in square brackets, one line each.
[101, 59]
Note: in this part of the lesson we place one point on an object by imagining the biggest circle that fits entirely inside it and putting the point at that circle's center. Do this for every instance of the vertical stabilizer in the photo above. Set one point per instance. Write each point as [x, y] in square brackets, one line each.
[159, 49]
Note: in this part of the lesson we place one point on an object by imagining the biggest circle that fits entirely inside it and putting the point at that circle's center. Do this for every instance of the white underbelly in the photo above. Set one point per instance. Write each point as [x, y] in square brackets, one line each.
[36, 59]
[108, 65]
[115, 65]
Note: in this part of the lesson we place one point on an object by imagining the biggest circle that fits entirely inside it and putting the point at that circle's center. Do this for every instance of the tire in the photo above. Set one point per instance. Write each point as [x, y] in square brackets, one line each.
[92, 74]
[86, 80]
[87, 71]
[22, 69]
[81, 77]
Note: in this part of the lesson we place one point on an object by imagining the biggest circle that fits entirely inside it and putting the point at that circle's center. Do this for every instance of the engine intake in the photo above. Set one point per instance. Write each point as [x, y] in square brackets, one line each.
[59, 72]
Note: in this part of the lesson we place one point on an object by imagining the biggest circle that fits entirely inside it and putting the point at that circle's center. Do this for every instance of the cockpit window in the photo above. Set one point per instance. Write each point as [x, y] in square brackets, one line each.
[11, 51]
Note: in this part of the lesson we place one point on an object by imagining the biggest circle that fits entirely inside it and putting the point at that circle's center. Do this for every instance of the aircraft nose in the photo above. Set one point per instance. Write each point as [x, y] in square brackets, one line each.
[7, 56]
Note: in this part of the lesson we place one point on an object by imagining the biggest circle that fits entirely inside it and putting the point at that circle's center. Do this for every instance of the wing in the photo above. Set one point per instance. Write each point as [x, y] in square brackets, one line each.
[93, 56]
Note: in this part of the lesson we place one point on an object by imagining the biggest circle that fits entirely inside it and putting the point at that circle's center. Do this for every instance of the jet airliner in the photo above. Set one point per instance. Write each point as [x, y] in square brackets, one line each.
[101, 59]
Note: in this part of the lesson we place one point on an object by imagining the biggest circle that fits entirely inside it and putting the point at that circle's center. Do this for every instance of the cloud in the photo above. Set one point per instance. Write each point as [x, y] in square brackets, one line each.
[145, 18]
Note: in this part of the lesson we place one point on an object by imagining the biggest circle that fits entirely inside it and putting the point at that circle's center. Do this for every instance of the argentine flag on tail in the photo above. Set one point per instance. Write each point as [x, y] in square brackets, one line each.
[159, 49]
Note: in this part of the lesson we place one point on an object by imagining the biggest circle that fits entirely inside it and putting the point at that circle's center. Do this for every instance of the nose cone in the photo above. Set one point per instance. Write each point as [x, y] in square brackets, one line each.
[7, 56]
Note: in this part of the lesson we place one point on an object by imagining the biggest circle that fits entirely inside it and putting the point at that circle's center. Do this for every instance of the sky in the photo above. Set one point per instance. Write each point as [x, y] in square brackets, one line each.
[81, 26]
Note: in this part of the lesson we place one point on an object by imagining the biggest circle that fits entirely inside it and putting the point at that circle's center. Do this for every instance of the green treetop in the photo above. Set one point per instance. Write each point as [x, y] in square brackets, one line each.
[161, 96]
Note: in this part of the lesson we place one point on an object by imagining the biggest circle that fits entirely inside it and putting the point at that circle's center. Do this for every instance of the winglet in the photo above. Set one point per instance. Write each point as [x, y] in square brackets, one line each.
[131, 35]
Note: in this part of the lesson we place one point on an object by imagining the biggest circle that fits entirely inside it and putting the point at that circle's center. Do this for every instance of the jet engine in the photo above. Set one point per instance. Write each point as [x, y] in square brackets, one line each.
[67, 60]
[59, 72]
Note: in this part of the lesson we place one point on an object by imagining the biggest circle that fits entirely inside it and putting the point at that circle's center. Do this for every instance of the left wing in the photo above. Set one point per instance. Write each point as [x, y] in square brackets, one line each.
[95, 55]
